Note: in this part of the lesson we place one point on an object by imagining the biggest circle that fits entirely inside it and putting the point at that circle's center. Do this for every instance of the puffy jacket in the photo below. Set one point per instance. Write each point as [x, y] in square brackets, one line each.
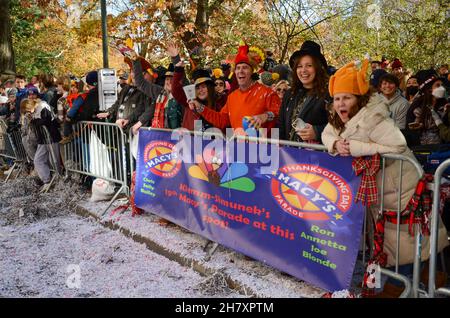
[372, 131]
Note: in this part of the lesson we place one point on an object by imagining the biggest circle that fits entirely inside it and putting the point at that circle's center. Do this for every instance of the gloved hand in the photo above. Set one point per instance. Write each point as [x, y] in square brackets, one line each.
[437, 119]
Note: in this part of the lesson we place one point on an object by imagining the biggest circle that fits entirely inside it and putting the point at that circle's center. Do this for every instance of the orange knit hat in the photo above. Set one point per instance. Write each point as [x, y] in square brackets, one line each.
[348, 79]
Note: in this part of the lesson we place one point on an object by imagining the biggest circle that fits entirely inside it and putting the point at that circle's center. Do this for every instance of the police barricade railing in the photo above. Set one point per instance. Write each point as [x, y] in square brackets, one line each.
[395, 275]
[54, 155]
[432, 291]
[319, 147]
[99, 150]
[11, 147]
[418, 235]
[6, 147]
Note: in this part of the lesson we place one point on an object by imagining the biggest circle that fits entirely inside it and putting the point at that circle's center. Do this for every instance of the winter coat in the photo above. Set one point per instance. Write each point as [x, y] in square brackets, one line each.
[86, 106]
[398, 107]
[168, 112]
[133, 105]
[50, 96]
[152, 91]
[372, 131]
[43, 115]
[21, 95]
[314, 112]
[189, 116]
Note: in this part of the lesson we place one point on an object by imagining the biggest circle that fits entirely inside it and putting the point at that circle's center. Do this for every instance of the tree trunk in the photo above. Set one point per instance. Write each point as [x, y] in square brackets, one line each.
[7, 65]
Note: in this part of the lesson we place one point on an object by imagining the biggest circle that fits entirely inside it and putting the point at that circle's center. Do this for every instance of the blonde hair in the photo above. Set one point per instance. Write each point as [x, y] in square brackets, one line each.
[281, 83]
[28, 105]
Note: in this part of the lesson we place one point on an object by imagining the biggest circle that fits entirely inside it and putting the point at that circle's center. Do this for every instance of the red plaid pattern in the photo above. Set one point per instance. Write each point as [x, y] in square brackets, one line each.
[368, 167]
[417, 211]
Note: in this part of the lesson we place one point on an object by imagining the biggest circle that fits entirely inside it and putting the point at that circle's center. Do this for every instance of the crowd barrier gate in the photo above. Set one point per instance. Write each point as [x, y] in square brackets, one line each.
[99, 150]
[11, 147]
[432, 291]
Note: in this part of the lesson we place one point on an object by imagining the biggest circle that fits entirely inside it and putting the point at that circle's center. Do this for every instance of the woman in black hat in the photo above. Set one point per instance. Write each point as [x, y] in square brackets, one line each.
[307, 99]
[204, 90]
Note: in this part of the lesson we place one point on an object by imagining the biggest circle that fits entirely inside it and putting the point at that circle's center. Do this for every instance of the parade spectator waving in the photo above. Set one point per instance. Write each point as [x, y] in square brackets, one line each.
[251, 99]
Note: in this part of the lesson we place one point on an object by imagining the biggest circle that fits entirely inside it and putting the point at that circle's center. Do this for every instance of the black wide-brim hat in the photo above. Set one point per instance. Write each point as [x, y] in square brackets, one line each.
[200, 75]
[308, 48]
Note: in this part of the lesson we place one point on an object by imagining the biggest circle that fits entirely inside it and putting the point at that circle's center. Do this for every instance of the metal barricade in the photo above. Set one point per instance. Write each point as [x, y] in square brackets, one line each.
[99, 150]
[432, 291]
[411, 289]
[11, 147]
[418, 235]
[54, 156]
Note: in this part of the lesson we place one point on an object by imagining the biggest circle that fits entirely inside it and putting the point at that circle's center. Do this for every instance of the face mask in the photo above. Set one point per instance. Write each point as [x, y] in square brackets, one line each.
[412, 90]
[439, 92]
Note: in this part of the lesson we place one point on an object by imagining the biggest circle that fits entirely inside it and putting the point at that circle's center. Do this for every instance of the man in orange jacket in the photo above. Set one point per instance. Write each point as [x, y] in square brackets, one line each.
[251, 99]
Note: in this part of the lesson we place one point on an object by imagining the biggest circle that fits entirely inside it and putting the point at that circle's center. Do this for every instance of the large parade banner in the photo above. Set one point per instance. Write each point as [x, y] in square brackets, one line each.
[290, 208]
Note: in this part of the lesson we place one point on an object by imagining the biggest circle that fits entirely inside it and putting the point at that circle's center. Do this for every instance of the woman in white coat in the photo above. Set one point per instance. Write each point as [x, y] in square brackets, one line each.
[359, 125]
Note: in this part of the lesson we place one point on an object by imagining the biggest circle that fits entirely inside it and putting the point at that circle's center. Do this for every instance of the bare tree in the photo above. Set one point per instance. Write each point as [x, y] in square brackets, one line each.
[291, 18]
